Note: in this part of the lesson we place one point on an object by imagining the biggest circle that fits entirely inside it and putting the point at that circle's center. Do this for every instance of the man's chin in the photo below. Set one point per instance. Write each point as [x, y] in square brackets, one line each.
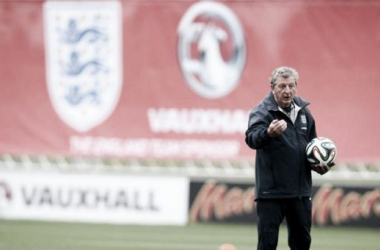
[286, 103]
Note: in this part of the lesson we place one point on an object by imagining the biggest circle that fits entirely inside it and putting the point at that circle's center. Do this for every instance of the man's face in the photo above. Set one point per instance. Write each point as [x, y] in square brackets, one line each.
[284, 91]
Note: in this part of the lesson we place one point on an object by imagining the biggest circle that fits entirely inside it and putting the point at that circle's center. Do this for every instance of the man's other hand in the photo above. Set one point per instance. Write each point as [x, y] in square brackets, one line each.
[276, 127]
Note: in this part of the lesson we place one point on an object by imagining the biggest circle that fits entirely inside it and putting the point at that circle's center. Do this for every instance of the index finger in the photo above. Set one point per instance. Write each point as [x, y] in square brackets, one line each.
[274, 121]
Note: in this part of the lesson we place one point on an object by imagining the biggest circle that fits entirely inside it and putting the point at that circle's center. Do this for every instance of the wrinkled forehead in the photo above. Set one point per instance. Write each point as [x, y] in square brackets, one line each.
[285, 73]
[288, 79]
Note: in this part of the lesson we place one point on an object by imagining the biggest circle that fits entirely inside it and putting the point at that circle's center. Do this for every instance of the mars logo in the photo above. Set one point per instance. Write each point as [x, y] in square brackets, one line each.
[211, 49]
[5, 195]
[83, 60]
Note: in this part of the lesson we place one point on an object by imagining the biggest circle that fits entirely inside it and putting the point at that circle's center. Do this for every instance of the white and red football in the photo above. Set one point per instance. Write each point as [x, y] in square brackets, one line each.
[321, 151]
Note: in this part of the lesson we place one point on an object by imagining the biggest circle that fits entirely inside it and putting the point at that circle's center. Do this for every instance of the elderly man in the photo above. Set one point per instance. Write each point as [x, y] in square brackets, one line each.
[279, 129]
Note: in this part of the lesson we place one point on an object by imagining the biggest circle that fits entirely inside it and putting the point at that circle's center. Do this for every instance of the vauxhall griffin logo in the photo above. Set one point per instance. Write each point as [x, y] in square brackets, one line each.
[5, 195]
[211, 49]
[83, 60]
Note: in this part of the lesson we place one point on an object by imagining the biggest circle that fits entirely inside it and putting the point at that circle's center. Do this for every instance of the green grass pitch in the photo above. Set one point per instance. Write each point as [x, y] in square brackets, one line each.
[32, 235]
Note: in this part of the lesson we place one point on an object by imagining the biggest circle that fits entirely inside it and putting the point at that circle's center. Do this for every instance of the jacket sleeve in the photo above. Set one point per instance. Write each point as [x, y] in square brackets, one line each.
[313, 129]
[256, 135]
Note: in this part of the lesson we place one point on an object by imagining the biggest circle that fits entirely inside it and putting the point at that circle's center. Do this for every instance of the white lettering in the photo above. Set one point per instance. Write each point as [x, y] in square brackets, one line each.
[155, 147]
[89, 198]
[197, 121]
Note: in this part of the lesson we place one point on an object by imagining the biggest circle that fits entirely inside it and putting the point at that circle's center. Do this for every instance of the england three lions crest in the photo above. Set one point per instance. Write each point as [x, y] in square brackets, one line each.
[211, 49]
[83, 60]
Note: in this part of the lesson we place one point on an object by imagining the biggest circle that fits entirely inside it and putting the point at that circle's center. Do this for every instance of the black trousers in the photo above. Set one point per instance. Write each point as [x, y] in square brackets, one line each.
[271, 213]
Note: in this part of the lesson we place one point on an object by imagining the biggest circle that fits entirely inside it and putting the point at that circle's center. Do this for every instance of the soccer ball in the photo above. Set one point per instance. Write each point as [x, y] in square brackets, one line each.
[321, 151]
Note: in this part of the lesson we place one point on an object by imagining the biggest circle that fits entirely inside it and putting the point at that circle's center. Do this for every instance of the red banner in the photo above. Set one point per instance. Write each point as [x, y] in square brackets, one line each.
[332, 205]
[176, 80]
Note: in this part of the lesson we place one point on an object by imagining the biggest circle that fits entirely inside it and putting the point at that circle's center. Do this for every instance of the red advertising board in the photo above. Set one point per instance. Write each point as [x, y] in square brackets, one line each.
[176, 80]
[333, 205]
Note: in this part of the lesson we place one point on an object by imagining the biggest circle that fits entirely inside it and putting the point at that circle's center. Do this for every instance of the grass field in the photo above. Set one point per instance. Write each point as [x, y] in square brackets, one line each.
[31, 235]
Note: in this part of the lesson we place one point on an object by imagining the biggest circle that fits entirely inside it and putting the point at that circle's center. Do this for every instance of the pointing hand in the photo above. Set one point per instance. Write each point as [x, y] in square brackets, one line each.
[276, 127]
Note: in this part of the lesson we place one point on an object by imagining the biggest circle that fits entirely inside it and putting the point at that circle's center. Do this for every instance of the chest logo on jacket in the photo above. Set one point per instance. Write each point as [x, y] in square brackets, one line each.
[303, 119]
[304, 122]
[211, 49]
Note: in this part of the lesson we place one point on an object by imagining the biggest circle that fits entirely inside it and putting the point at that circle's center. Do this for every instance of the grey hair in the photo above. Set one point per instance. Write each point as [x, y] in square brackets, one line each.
[284, 72]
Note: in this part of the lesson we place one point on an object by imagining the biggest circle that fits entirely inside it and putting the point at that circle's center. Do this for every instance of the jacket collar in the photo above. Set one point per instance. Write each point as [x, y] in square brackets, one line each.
[271, 105]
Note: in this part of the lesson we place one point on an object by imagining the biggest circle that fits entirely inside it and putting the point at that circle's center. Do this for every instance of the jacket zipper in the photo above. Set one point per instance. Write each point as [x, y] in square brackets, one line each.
[300, 158]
